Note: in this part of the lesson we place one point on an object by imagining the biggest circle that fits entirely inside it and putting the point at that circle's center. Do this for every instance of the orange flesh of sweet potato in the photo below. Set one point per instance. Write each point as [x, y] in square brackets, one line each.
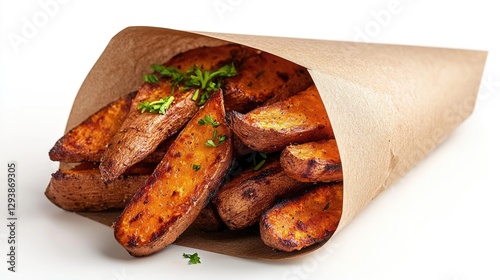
[176, 192]
[313, 161]
[303, 221]
[299, 119]
[88, 140]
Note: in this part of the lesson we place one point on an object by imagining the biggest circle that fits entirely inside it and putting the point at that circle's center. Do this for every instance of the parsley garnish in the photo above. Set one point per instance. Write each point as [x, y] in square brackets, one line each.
[151, 78]
[158, 106]
[205, 80]
[211, 142]
[193, 258]
[208, 119]
[202, 81]
[259, 165]
[196, 167]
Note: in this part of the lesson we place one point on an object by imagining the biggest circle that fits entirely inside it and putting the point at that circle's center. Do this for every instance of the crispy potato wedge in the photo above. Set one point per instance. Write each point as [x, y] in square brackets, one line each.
[88, 140]
[208, 220]
[263, 76]
[303, 221]
[157, 155]
[82, 189]
[313, 161]
[180, 186]
[141, 133]
[241, 202]
[211, 57]
[299, 119]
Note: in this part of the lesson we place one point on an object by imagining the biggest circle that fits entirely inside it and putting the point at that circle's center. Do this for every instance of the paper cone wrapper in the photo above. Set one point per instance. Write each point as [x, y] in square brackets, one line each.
[389, 106]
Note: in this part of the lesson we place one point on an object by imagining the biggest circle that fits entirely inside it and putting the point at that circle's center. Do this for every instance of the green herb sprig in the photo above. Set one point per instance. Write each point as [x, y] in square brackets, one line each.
[193, 258]
[196, 167]
[219, 139]
[216, 141]
[206, 81]
[203, 82]
[257, 166]
[159, 106]
[207, 119]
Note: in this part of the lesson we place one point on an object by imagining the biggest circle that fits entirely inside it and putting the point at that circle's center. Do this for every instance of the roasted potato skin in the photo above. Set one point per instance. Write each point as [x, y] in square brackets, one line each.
[303, 221]
[141, 133]
[87, 141]
[157, 155]
[263, 76]
[82, 189]
[176, 192]
[209, 58]
[241, 201]
[313, 161]
[208, 220]
[299, 119]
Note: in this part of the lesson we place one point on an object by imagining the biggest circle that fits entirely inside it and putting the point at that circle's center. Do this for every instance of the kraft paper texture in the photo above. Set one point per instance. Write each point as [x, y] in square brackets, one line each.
[389, 106]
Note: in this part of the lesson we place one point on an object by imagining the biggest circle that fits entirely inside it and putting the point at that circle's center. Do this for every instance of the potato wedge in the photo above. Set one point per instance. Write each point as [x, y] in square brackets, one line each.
[141, 133]
[82, 189]
[211, 57]
[303, 221]
[263, 76]
[241, 201]
[299, 119]
[208, 220]
[313, 161]
[180, 186]
[87, 141]
[157, 155]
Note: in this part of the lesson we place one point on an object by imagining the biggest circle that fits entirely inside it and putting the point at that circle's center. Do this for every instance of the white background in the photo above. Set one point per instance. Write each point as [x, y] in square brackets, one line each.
[440, 221]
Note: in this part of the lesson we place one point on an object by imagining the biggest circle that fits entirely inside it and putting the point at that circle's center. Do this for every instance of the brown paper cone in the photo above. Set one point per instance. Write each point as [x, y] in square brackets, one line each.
[389, 107]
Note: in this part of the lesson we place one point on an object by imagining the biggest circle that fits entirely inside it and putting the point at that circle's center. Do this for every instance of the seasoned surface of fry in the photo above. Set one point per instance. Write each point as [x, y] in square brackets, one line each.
[241, 201]
[303, 221]
[82, 189]
[180, 186]
[263, 76]
[141, 133]
[87, 141]
[313, 161]
[298, 119]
